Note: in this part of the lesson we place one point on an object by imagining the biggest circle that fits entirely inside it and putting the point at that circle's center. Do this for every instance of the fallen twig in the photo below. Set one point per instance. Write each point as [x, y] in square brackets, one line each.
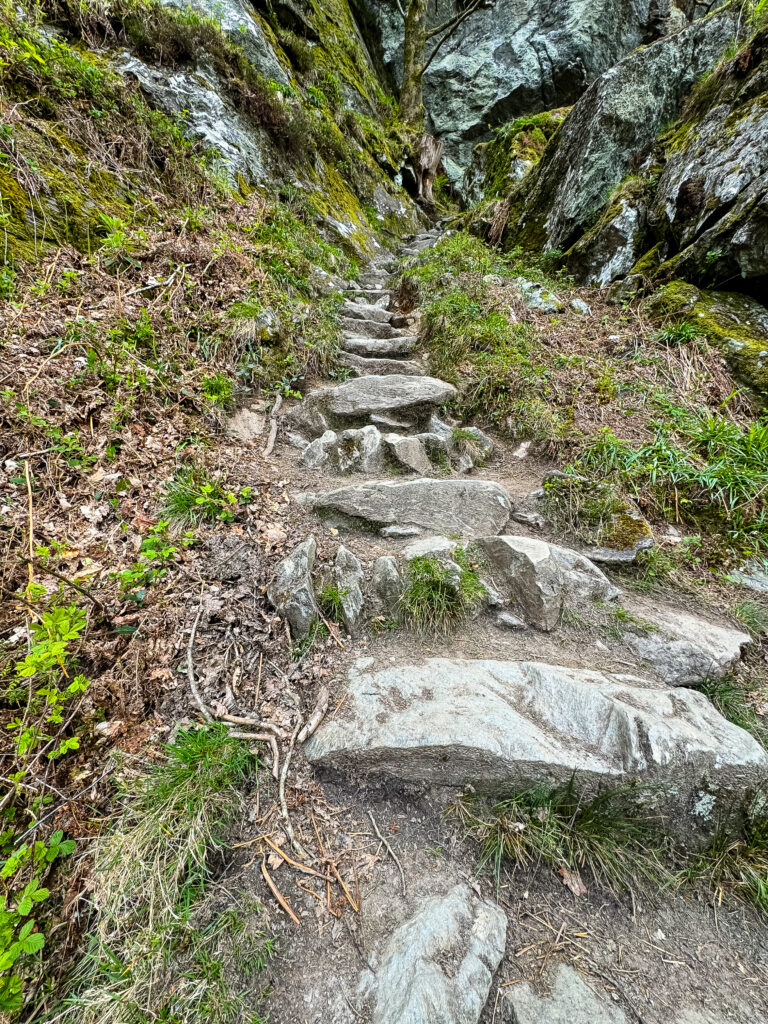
[281, 794]
[316, 717]
[273, 427]
[278, 895]
[191, 669]
[263, 737]
[390, 851]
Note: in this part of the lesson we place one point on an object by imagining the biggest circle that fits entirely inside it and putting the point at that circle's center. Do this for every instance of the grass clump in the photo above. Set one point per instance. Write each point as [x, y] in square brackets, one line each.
[678, 334]
[753, 615]
[158, 951]
[732, 702]
[735, 865]
[331, 600]
[438, 595]
[193, 496]
[608, 836]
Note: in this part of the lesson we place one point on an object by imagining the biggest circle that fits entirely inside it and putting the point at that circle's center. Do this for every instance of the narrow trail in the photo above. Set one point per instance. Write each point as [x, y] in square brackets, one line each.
[556, 671]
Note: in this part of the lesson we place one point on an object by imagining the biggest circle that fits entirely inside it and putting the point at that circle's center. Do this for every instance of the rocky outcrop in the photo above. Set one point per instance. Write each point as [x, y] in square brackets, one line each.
[516, 57]
[615, 122]
[525, 724]
[240, 23]
[464, 507]
[438, 966]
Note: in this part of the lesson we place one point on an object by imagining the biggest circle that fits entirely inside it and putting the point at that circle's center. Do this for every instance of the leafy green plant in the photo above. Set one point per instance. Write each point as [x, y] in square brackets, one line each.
[681, 333]
[194, 496]
[438, 595]
[21, 935]
[156, 555]
[218, 389]
[51, 689]
[120, 244]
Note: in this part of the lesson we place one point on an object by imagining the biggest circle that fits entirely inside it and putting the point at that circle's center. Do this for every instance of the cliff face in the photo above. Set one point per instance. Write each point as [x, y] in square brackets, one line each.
[517, 57]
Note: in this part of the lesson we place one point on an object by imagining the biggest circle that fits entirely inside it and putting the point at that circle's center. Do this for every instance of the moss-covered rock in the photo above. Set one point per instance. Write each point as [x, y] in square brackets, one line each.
[734, 323]
[517, 147]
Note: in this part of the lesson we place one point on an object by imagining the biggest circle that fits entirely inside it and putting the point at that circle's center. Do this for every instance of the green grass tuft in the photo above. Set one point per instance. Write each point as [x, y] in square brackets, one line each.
[436, 598]
[607, 836]
[158, 950]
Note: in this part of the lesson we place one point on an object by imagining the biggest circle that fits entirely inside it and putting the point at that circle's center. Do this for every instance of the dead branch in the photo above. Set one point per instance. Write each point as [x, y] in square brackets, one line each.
[191, 669]
[281, 794]
[390, 851]
[317, 715]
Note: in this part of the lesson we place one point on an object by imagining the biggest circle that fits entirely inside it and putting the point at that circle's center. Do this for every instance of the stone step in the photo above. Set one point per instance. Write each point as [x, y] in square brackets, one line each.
[369, 328]
[366, 311]
[468, 508]
[356, 401]
[508, 725]
[372, 294]
[402, 346]
[363, 366]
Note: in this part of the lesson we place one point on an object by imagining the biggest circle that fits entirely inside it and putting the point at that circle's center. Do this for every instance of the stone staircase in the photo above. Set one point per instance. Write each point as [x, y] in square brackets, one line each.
[490, 723]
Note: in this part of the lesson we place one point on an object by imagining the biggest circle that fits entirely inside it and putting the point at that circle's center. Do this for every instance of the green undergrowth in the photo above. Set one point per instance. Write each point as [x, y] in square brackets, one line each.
[164, 944]
[610, 842]
[702, 469]
[437, 595]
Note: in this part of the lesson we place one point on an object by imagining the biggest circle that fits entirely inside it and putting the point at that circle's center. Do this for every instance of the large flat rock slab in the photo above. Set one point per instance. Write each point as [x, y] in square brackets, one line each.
[438, 966]
[465, 507]
[509, 725]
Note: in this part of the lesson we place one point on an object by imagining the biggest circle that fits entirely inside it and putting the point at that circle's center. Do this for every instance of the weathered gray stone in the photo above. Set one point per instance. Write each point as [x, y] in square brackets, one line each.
[580, 306]
[516, 57]
[402, 346]
[430, 547]
[618, 117]
[208, 114]
[539, 577]
[387, 584]
[685, 650]
[365, 311]
[408, 452]
[370, 328]
[371, 366]
[291, 591]
[437, 967]
[537, 297]
[624, 537]
[348, 577]
[354, 450]
[238, 21]
[463, 507]
[567, 998]
[509, 621]
[509, 725]
[364, 397]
